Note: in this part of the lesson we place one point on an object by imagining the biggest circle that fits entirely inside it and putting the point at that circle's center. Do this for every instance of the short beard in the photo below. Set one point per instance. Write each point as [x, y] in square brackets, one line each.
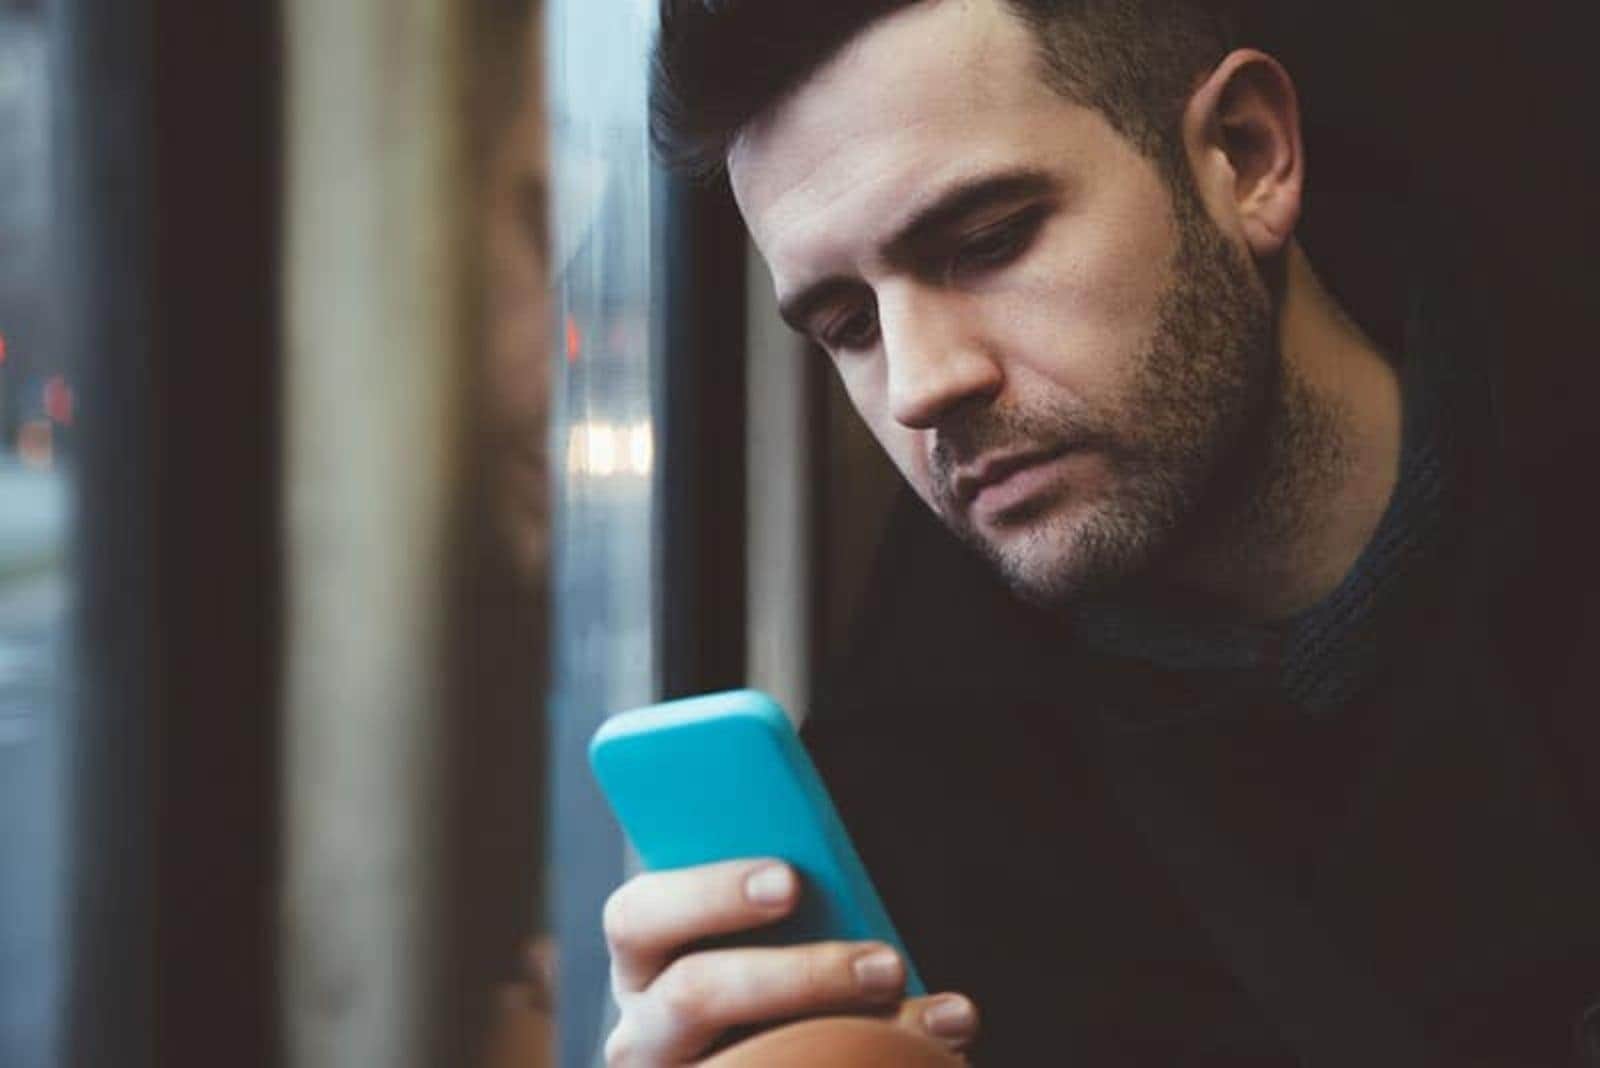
[1184, 446]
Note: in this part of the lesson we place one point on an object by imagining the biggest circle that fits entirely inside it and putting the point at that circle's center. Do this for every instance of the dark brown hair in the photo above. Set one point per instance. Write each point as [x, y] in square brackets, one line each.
[718, 64]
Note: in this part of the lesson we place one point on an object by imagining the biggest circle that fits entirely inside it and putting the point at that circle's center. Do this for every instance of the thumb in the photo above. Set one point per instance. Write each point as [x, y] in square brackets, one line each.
[950, 1019]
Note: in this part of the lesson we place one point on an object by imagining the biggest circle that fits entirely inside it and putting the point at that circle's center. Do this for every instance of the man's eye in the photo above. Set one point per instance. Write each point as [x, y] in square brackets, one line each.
[854, 331]
[996, 245]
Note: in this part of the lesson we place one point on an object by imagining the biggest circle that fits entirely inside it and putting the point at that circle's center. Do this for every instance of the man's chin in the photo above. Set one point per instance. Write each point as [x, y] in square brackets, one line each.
[1040, 566]
[1058, 559]
[1045, 584]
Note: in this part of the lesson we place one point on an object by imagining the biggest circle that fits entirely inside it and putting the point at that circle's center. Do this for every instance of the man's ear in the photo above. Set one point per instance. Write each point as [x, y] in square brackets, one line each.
[1241, 129]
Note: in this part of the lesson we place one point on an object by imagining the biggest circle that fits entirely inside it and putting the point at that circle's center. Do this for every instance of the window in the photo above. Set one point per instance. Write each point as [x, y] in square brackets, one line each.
[604, 638]
[37, 425]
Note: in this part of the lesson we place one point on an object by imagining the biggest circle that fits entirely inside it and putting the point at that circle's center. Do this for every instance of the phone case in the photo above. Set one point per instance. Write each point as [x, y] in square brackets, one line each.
[723, 777]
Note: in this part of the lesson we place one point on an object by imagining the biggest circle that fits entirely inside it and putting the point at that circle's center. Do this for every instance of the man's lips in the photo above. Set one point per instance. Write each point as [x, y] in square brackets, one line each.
[972, 480]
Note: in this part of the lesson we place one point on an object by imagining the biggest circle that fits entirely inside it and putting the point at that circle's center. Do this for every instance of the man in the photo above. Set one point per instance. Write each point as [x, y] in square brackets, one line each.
[1245, 777]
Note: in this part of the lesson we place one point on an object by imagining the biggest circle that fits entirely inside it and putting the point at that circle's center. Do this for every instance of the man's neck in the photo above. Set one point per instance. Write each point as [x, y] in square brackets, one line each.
[1314, 484]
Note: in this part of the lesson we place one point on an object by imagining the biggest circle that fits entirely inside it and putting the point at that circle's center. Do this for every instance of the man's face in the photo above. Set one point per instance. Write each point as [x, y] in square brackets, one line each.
[1058, 352]
[516, 376]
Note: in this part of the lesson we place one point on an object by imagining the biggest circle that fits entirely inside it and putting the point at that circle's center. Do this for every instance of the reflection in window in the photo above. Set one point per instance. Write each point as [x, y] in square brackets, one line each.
[37, 415]
[604, 437]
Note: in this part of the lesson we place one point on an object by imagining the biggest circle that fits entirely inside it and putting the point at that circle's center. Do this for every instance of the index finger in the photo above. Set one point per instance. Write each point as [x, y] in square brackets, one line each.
[652, 917]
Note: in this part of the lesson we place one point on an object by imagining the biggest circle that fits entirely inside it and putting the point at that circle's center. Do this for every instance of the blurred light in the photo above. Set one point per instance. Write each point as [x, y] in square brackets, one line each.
[602, 450]
[577, 450]
[36, 444]
[574, 340]
[58, 400]
[2, 349]
[641, 449]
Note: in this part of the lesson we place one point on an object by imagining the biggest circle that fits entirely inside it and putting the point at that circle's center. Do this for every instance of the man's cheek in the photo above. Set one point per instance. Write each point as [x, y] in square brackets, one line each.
[907, 449]
[903, 451]
[930, 484]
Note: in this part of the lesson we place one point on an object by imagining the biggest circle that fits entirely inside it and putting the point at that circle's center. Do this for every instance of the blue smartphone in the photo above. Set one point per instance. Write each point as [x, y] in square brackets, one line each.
[724, 777]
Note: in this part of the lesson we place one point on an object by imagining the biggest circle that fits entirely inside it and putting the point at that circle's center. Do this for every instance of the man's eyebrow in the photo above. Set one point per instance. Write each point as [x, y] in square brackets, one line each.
[951, 206]
[962, 200]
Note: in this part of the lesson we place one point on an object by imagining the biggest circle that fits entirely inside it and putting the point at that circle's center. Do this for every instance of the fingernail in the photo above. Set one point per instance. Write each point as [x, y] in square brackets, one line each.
[772, 885]
[878, 971]
[950, 1018]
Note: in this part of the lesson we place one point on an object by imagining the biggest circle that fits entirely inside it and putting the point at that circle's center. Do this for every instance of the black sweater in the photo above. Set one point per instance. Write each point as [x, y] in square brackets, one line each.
[1058, 811]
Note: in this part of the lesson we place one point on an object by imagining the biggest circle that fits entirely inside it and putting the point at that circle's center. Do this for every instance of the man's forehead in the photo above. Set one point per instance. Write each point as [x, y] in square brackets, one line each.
[932, 92]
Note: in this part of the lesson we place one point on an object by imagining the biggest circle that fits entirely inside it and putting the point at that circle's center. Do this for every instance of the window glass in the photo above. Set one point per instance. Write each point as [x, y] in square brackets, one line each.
[603, 441]
[37, 408]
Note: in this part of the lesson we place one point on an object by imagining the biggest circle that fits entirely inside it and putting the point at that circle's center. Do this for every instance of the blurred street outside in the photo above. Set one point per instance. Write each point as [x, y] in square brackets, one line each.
[33, 518]
[33, 603]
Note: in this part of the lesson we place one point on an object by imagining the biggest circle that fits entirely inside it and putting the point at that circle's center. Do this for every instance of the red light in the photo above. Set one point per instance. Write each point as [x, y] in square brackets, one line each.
[58, 400]
[574, 340]
[2, 348]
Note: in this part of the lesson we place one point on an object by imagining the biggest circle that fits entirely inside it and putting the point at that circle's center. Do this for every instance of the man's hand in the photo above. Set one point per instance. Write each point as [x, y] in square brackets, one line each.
[522, 1031]
[675, 1004]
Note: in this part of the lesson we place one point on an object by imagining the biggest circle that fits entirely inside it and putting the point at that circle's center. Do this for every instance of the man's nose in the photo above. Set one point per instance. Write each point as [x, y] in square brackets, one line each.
[937, 359]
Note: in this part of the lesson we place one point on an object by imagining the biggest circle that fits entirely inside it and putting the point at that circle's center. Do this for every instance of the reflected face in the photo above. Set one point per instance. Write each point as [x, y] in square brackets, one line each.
[516, 398]
[1058, 350]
